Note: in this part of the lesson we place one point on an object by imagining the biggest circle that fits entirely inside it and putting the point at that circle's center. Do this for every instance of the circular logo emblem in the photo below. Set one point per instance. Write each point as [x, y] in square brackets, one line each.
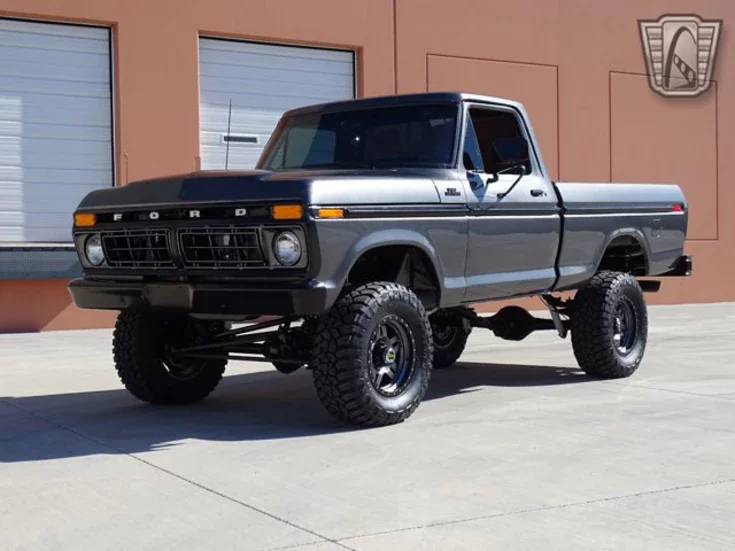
[390, 356]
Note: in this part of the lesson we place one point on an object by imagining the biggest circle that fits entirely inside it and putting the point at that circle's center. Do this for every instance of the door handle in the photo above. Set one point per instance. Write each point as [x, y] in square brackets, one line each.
[538, 192]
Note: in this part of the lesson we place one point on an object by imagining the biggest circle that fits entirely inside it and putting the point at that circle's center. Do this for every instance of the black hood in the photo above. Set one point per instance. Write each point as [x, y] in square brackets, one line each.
[202, 187]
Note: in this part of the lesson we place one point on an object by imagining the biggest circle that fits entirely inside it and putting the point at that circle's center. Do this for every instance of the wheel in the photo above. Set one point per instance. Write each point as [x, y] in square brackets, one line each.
[141, 347]
[450, 332]
[609, 325]
[372, 355]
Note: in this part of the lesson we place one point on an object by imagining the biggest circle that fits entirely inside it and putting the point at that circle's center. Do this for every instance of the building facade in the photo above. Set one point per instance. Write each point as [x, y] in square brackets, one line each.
[95, 93]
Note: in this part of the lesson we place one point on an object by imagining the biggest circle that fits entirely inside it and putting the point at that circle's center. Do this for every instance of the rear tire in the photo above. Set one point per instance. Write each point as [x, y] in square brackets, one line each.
[450, 332]
[609, 326]
[372, 355]
[141, 342]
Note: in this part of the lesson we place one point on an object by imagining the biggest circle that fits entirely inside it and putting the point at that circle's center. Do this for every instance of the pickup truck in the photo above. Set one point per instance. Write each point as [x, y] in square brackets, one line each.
[357, 247]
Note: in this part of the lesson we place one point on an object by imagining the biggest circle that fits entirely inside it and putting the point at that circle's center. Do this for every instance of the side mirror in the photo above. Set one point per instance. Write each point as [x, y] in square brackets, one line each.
[511, 154]
[511, 151]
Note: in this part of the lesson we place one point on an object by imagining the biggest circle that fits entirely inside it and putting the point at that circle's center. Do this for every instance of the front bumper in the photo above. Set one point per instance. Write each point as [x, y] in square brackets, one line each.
[212, 299]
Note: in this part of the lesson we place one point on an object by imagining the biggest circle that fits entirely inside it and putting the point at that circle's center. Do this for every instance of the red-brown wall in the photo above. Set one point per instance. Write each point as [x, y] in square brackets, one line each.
[576, 64]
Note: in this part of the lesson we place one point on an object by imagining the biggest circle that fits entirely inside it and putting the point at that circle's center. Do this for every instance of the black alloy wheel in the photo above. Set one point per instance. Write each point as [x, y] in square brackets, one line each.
[372, 355]
[392, 355]
[609, 325]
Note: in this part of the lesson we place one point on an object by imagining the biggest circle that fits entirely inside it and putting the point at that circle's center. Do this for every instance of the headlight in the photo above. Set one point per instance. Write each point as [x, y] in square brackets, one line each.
[287, 248]
[93, 250]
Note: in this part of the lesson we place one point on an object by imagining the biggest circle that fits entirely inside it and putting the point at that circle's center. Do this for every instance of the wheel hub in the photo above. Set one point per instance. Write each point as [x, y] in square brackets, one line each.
[392, 356]
[624, 327]
[182, 369]
[178, 367]
[444, 334]
[444, 330]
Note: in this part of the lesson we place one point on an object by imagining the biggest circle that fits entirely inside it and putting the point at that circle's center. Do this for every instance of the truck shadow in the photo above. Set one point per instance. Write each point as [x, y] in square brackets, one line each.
[247, 407]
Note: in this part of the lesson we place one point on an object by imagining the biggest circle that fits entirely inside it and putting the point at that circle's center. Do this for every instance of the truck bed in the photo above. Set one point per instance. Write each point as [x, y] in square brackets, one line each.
[596, 214]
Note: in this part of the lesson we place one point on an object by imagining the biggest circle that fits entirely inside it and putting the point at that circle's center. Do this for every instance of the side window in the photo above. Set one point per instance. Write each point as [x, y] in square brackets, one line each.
[484, 126]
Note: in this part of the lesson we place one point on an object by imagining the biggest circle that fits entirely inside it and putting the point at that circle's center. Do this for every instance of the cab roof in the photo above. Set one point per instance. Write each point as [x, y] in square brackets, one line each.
[403, 99]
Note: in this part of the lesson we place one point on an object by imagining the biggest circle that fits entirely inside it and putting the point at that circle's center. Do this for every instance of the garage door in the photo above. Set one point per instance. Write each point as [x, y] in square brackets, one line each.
[55, 126]
[261, 81]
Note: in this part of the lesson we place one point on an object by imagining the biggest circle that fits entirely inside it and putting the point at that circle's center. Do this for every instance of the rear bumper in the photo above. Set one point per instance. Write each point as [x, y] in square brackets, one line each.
[682, 268]
[206, 299]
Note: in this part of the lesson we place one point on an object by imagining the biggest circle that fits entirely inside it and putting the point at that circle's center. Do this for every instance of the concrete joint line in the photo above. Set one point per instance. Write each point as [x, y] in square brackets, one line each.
[198, 485]
[542, 509]
[696, 394]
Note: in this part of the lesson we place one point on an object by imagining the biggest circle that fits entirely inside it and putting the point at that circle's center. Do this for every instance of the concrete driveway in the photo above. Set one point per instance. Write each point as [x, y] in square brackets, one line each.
[513, 448]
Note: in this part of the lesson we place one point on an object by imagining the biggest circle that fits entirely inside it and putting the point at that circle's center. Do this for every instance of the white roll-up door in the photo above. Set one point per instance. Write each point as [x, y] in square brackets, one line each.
[55, 126]
[261, 81]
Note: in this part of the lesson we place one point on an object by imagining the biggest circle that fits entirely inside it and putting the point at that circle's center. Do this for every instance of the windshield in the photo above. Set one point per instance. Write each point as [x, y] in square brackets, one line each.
[384, 137]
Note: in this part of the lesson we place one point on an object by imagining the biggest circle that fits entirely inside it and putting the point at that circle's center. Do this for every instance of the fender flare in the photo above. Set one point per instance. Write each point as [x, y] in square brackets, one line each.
[635, 233]
[386, 238]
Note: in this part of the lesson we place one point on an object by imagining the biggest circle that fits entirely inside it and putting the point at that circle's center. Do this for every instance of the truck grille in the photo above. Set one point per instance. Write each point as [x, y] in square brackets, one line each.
[146, 248]
[221, 247]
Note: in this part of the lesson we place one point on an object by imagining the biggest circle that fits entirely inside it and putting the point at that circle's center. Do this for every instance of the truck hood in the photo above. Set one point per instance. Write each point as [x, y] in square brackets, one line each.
[309, 187]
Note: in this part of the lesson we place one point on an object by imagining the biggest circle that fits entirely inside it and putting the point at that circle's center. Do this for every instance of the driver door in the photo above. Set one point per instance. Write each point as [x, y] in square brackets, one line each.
[515, 223]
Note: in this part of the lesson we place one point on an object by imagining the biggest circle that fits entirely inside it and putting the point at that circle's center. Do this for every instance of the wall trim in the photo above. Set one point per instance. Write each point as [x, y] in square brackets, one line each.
[39, 262]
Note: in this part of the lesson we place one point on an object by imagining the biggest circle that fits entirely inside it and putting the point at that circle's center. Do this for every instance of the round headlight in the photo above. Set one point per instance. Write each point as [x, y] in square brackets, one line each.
[93, 250]
[287, 248]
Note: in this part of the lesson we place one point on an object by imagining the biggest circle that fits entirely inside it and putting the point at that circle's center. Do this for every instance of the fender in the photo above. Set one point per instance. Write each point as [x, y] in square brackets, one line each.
[383, 238]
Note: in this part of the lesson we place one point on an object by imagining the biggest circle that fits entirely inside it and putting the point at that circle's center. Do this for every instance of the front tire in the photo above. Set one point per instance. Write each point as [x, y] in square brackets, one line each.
[372, 355]
[141, 345]
[609, 326]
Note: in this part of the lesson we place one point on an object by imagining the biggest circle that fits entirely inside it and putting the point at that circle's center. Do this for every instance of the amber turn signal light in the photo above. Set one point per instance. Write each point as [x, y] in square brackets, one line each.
[84, 220]
[331, 213]
[287, 212]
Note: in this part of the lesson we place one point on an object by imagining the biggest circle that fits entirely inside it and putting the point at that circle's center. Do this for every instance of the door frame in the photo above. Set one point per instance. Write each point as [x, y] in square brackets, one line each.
[496, 283]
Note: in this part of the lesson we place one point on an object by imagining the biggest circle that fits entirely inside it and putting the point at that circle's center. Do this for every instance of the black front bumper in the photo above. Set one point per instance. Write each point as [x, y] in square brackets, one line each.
[202, 298]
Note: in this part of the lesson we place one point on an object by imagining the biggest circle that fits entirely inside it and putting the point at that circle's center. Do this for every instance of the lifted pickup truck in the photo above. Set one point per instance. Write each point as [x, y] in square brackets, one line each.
[365, 233]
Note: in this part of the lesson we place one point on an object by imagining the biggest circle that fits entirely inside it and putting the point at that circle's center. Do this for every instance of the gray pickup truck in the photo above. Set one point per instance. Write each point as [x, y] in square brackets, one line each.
[363, 237]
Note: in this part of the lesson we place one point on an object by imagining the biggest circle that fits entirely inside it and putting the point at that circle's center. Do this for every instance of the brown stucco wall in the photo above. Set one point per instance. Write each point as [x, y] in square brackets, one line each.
[576, 64]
